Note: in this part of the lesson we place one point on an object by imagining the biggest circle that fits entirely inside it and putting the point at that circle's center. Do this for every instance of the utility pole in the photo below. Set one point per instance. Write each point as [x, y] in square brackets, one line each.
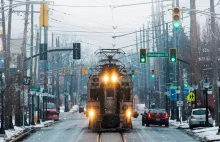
[10, 125]
[196, 74]
[215, 60]
[23, 53]
[148, 65]
[52, 65]
[2, 130]
[177, 67]
[57, 78]
[35, 61]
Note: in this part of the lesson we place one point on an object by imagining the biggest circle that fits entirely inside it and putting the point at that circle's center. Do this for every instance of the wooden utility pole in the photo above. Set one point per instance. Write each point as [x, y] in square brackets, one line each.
[36, 60]
[8, 96]
[215, 60]
[23, 53]
[52, 65]
[194, 42]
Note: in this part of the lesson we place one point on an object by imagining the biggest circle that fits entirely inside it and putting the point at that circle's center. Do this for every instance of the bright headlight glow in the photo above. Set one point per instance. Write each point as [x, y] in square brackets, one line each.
[128, 113]
[91, 113]
[114, 78]
[106, 78]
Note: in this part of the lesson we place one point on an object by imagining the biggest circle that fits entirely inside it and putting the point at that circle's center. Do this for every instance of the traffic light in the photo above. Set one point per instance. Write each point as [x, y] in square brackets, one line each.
[43, 51]
[63, 71]
[142, 56]
[44, 15]
[153, 74]
[176, 17]
[172, 55]
[132, 74]
[84, 70]
[71, 72]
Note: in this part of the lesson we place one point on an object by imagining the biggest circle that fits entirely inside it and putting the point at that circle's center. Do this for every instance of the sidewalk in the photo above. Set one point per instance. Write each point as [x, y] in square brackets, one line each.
[208, 134]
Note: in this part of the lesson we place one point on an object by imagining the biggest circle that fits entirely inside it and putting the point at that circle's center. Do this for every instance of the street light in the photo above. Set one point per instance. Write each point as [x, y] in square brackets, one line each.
[178, 92]
[195, 87]
[218, 84]
[206, 85]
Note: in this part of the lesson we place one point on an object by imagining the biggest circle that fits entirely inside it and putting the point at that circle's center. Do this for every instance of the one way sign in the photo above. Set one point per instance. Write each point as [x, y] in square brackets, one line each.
[76, 51]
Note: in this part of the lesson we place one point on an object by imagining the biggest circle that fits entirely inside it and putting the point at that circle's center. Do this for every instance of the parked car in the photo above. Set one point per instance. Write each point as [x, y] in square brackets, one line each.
[51, 112]
[156, 117]
[198, 118]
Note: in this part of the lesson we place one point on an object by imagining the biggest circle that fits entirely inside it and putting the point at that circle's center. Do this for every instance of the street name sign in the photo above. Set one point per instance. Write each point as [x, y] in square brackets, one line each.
[35, 89]
[158, 54]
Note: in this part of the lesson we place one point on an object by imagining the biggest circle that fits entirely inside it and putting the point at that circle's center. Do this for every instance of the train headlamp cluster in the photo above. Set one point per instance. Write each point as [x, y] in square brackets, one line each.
[128, 113]
[110, 78]
[91, 113]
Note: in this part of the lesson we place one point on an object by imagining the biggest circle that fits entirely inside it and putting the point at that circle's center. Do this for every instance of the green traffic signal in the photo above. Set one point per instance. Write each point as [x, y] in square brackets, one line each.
[142, 56]
[176, 24]
[132, 76]
[153, 75]
[172, 55]
[142, 60]
[173, 59]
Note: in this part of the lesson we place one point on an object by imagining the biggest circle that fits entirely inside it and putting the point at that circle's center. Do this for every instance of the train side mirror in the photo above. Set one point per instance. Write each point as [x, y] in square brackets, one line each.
[135, 114]
[81, 109]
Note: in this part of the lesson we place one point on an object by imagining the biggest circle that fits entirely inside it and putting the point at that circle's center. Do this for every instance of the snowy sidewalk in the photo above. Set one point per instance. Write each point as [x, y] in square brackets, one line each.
[208, 134]
[12, 134]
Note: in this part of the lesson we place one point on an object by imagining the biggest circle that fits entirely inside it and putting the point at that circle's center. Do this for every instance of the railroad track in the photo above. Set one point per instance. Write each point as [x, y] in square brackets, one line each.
[110, 136]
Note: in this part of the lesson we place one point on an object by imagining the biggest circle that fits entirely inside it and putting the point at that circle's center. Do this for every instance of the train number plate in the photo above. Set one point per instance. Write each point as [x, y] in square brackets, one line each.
[157, 119]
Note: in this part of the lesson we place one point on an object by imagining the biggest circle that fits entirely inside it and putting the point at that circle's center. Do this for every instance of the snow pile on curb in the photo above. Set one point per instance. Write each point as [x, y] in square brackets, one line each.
[62, 109]
[75, 108]
[13, 133]
[209, 134]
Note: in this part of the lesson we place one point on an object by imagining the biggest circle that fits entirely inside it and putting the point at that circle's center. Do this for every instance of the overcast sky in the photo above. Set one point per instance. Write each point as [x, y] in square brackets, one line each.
[66, 19]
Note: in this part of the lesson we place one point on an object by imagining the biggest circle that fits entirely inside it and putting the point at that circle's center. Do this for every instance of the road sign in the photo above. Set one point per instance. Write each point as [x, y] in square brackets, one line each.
[158, 54]
[43, 51]
[191, 97]
[76, 51]
[26, 80]
[186, 92]
[179, 103]
[35, 89]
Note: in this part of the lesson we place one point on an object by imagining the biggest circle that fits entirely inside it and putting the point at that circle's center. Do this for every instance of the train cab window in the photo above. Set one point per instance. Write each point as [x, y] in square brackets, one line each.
[125, 95]
[110, 93]
[94, 94]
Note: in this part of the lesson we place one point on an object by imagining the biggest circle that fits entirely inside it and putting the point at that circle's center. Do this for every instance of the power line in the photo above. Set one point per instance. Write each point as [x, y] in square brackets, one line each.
[80, 6]
[80, 17]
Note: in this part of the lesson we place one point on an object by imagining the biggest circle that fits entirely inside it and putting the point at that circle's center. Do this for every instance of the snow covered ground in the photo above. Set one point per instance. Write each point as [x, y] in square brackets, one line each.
[10, 134]
[210, 133]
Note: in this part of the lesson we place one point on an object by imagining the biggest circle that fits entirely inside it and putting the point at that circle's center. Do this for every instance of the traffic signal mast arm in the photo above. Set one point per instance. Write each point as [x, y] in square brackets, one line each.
[52, 50]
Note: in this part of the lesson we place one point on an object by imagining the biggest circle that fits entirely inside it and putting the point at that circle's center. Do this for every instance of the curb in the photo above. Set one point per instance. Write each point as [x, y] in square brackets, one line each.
[27, 132]
[23, 135]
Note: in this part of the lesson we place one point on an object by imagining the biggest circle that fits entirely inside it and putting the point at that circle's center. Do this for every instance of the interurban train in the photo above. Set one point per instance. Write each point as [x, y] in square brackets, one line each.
[110, 95]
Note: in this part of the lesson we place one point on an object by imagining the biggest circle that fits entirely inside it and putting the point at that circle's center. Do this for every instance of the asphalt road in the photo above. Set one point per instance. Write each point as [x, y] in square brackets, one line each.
[73, 128]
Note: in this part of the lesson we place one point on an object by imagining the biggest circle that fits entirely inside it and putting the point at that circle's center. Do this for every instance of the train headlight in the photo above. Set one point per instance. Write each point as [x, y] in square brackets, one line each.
[91, 113]
[128, 113]
[114, 78]
[106, 78]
